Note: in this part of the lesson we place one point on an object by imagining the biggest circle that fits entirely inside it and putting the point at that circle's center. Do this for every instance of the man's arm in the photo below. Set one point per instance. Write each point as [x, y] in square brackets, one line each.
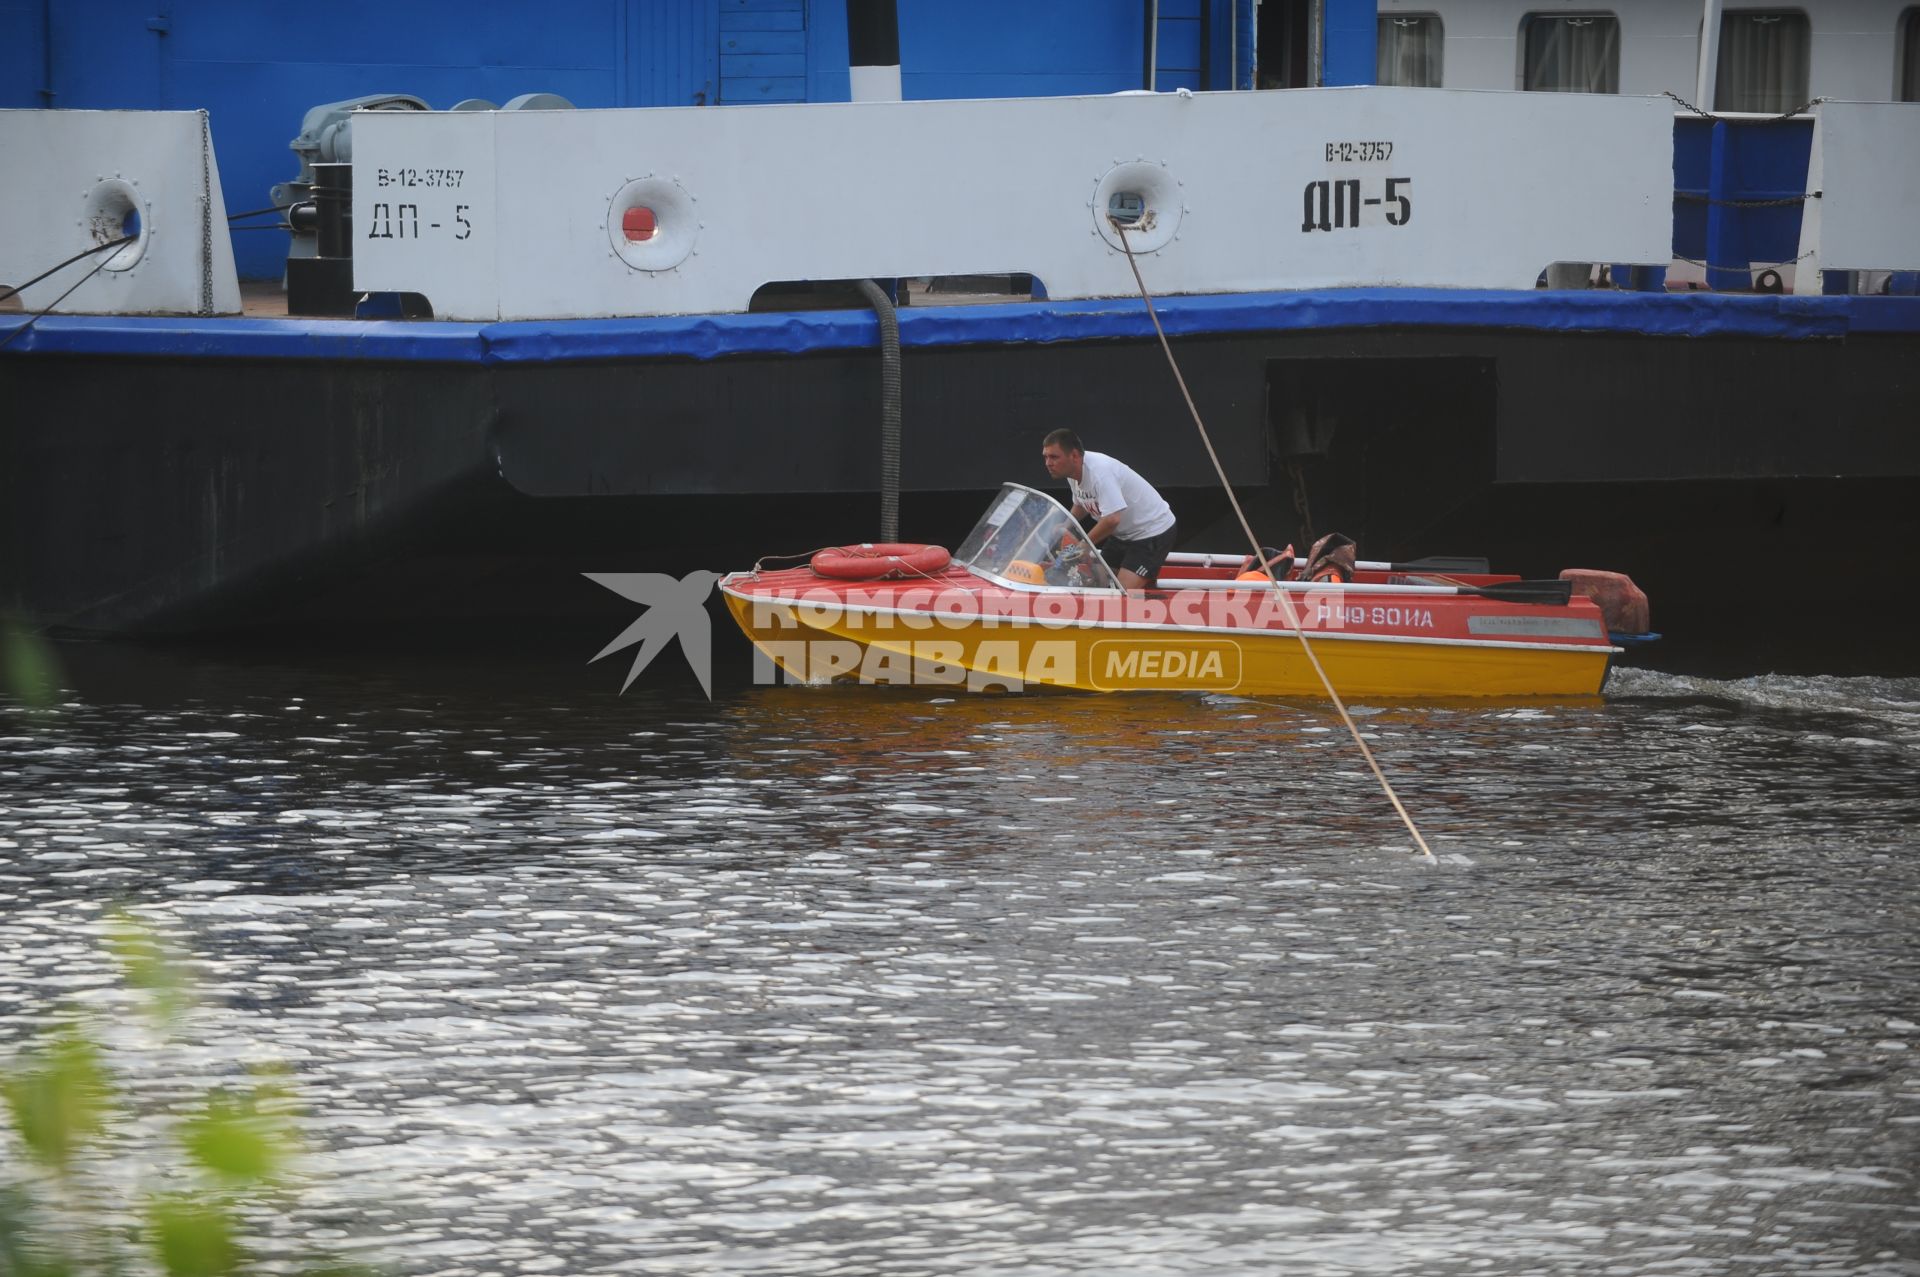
[1103, 529]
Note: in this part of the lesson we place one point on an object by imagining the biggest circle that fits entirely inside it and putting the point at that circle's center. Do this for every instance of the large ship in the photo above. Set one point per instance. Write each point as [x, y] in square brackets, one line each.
[1626, 284]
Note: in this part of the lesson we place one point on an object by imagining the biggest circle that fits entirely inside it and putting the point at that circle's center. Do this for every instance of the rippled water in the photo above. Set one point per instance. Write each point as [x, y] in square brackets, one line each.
[849, 980]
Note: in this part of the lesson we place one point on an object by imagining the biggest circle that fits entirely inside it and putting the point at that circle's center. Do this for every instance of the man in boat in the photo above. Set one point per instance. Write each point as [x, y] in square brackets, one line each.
[1132, 524]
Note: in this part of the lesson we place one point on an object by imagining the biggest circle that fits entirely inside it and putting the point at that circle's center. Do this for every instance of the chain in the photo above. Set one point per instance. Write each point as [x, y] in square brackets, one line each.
[1695, 261]
[1300, 506]
[1690, 106]
[1802, 109]
[206, 216]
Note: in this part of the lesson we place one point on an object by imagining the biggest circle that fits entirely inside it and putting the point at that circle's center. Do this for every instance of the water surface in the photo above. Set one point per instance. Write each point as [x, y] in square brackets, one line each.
[842, 980]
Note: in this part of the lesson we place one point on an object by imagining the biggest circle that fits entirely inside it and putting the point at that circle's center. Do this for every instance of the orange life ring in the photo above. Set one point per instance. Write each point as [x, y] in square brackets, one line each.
[871, 562]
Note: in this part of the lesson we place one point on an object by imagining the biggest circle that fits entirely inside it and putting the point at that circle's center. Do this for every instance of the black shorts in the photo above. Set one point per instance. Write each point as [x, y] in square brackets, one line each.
[1144, 558]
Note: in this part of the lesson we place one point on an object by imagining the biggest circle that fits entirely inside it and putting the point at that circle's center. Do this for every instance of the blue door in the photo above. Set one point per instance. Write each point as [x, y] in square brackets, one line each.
[763, 51]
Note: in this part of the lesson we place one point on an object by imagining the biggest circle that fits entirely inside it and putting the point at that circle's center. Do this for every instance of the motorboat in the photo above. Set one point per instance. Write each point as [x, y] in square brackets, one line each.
[1027, 601]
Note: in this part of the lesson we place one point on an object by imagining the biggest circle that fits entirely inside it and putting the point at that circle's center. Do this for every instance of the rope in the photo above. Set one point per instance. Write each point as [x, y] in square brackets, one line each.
[112, 243]
[1286, 602]
[759, 563]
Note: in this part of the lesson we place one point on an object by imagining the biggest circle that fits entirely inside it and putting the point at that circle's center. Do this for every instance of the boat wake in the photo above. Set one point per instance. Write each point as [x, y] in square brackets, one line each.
[1887, 699]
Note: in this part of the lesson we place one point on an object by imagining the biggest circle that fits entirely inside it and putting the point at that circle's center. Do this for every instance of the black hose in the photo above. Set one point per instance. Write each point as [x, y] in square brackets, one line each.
[98, 267]
[97, 248]
[889, 407]
[255, 212]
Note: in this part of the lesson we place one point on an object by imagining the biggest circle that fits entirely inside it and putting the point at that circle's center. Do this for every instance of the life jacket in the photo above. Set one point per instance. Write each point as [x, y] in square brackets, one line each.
[1270, 565]
[1331, 559]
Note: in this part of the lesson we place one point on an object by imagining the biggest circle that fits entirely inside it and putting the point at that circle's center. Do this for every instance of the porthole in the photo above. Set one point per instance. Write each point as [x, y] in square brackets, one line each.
[1142, 198]
[652, 224]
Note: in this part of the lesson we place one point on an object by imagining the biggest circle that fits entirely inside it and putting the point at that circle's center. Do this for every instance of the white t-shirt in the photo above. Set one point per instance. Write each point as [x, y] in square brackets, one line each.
[1107, 486]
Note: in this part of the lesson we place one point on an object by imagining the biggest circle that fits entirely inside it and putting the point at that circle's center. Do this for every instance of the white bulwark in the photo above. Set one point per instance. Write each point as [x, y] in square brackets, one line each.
[548, 214]
[1863, 187]
[81, 179]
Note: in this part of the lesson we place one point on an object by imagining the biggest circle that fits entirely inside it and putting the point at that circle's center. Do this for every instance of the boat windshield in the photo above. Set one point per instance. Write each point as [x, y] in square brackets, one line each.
[1026, 538]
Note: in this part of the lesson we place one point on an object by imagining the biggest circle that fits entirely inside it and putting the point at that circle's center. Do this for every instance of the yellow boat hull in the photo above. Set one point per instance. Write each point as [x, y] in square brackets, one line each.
[811, 643]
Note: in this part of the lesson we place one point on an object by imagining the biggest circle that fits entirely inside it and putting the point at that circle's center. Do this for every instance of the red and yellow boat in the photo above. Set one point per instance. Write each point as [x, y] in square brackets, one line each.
[1026, 600]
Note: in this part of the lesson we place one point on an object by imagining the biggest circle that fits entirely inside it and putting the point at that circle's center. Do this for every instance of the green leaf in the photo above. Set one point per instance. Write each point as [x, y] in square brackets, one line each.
[237, 1138]
[28, 667]
[144, 965]
[19, 1255]
[193, 1237]
[60, 1099]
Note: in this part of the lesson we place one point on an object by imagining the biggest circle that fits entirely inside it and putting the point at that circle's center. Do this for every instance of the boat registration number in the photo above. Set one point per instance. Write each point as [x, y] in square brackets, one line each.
[1358, 152]
[1336, 615]
[419, 176]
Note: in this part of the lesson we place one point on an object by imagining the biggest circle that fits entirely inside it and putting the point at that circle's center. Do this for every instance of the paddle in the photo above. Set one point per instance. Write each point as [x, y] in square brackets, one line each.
[1435, 563]
[1550, 593]
[1443, 563]
[1545, 593]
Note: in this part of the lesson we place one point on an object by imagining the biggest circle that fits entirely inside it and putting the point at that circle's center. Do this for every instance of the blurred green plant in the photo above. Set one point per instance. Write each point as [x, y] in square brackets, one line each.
[93, 1196]
[29, 670]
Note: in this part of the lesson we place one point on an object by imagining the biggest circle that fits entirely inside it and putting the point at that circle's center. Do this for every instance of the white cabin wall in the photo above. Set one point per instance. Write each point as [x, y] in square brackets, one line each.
[1854, 48]
[1852, 56]
[1436, 213]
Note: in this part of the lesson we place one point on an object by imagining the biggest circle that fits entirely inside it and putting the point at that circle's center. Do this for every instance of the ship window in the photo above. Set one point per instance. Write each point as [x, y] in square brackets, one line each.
[1409, 50]
[1910, 56]
[1763, 61]
[1571, 53]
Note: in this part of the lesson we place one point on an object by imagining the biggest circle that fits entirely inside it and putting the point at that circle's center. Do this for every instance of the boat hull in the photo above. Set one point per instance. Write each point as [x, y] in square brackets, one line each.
[817, 641]
[416, 475]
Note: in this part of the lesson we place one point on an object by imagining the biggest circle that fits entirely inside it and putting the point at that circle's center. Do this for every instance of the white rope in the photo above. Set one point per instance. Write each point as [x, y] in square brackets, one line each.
[1286, 600]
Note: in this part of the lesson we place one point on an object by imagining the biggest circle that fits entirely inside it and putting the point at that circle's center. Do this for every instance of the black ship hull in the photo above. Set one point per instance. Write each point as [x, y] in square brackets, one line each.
[168, 488]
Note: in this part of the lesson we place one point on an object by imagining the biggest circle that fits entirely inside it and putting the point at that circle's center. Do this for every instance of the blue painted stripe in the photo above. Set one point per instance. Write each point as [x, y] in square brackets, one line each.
[929, 327]
[247, 338]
